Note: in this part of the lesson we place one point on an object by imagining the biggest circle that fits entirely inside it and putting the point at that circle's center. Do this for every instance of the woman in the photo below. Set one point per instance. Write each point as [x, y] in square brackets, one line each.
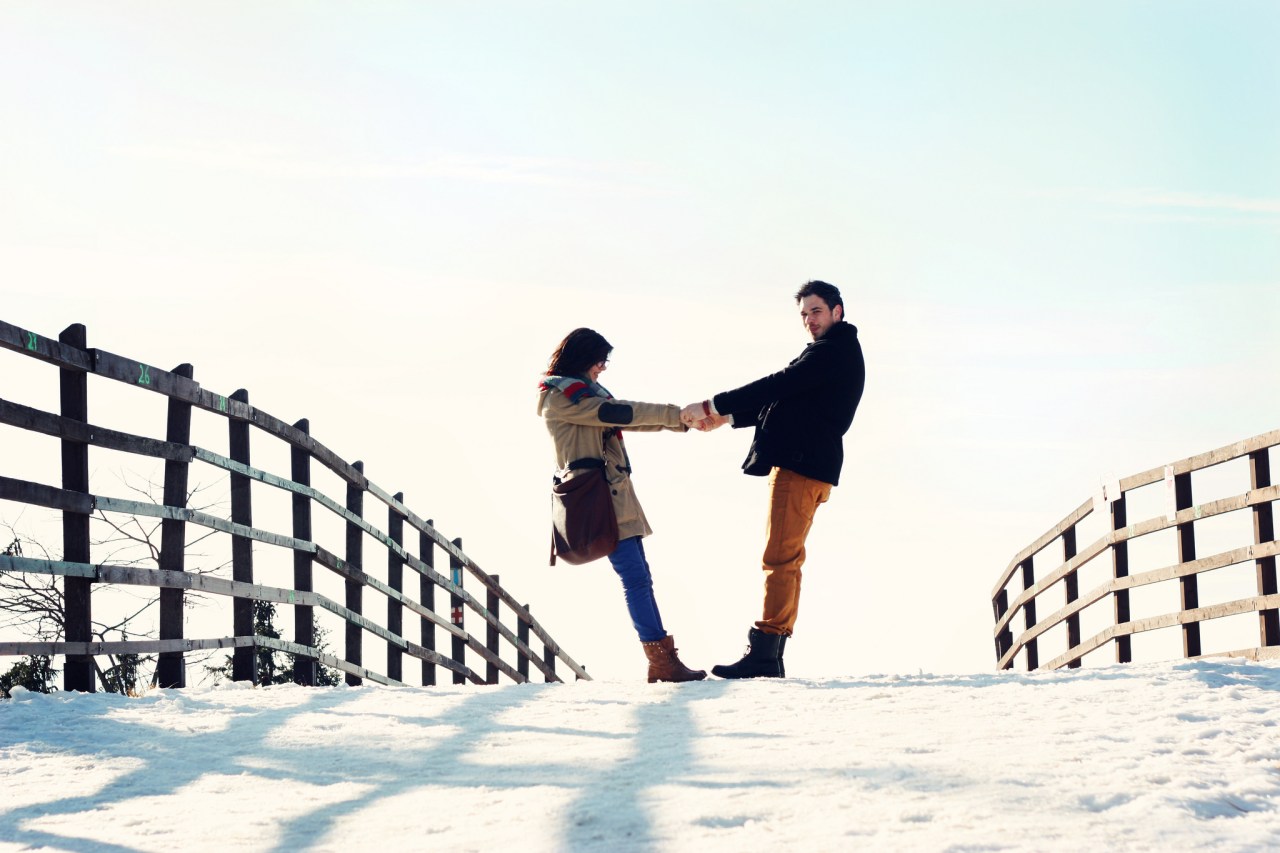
[585, 421]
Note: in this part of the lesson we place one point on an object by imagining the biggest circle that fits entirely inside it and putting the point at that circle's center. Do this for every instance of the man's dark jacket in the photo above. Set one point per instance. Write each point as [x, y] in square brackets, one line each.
[801, 413]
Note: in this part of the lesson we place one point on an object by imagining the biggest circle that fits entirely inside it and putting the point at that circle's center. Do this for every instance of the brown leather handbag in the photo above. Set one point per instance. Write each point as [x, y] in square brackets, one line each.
[583, 524]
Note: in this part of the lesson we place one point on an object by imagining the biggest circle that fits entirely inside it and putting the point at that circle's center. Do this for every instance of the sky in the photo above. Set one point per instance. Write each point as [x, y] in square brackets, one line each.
[1151, 757]
[1054, 224]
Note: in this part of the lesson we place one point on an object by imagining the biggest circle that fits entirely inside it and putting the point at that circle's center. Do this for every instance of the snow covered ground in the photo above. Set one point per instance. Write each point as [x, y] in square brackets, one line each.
[1180, 755]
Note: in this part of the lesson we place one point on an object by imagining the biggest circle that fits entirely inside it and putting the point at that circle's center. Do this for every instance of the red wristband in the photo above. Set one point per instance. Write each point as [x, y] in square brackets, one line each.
[706, 407]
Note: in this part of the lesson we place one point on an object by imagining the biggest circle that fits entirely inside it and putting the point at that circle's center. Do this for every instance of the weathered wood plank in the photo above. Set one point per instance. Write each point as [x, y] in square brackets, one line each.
[457, 555]
[47, 423]
[1154, 475]
[1072, 519]
[395, 580]
[427, 592]
[1205, 460]
[47, 567]
[491, 635]
[304, 671]
[51, 497]
[1188, 585]
[1072, 583]
[326, 659]
[73, 388]
[522, 635]
[1031, 645]
[354, 589]
[350, 573]
[146, 376]
[456, 612]
[297, 489]
[171, 669]
[60, 353]
[1230, 608]
[493, 660]
[134, 507]
[434, 657]
[132, 575]
[242, 660]
[122, 647]
[1264, 531]
[202, 519]
[425, 529]
[183, 390]
[1254, 498]
[1123, 583]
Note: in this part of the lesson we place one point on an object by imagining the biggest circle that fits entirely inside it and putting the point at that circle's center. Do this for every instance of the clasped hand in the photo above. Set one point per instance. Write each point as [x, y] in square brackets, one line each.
[695, 416]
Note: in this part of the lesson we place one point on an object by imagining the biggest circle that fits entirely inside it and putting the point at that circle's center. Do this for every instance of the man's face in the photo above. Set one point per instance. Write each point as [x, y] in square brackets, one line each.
[817, 317]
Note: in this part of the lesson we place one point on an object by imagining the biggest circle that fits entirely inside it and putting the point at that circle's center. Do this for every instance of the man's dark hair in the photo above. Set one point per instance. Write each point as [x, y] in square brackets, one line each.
[580, 349]
[829, 294]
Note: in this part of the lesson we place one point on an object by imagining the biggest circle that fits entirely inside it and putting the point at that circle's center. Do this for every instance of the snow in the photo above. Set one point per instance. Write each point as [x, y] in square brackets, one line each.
[1180, 755]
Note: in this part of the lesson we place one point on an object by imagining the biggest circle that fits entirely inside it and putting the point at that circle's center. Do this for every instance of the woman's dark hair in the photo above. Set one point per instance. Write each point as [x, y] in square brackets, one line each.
[580, 349]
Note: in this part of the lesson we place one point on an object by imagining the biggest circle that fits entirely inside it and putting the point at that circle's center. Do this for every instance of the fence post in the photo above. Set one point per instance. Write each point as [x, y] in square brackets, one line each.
[427, 589]
[1264, 530]
[395, 580]
[171, 667]
[304, 668]
[549, 660]
[1004, 640]
[242, 658]
[73, 388]
[1189, 584]
[355, 589]
[492, 603]
[456, 611]
[522, 634]
[1073, 593]
[1120, 569]
[1029, 614]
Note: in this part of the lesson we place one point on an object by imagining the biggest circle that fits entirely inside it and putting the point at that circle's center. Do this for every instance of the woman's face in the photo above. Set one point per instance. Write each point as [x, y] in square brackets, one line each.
[594, 371]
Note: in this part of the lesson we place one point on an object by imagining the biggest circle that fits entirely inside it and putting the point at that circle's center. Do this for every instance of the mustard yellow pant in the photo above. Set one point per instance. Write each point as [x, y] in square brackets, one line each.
[793, 501]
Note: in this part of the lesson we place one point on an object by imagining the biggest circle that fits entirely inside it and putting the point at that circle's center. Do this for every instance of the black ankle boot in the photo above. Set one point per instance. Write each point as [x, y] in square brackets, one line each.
[762, 660]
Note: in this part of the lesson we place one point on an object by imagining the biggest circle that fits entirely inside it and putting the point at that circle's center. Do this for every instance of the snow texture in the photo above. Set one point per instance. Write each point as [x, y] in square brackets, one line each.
[1166, 756]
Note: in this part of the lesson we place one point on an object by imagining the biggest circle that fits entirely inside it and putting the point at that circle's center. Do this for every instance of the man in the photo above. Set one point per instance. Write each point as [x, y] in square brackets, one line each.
[800, 415]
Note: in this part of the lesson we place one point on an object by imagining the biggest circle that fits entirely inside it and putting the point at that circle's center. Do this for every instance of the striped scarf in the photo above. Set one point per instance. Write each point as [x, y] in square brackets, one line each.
[577, 388]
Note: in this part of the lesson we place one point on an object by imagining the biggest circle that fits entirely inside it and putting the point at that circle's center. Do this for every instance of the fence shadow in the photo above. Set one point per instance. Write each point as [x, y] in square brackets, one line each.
[411, 759]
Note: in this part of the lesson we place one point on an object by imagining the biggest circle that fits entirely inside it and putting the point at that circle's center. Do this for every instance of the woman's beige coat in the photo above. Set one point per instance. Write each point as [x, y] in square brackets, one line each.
[578, 432]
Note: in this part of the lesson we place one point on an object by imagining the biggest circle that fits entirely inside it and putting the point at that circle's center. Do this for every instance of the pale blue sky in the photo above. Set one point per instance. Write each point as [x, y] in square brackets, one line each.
[1056, 224]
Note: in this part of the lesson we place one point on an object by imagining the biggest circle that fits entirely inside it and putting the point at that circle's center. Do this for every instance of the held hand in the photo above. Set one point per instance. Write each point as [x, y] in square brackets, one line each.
[692, 414]
[713, 422]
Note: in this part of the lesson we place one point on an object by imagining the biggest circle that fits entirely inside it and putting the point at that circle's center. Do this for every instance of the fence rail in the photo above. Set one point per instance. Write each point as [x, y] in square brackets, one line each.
[1181, 516]
[76, 361]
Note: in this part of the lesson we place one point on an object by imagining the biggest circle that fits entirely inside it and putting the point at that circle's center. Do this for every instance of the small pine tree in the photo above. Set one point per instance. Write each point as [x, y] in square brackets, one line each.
[326, 676]
[123, 677]
[35, 673]
[272, 666]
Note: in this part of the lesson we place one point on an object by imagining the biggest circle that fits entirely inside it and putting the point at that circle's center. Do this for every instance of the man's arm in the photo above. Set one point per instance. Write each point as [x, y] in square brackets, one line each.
[811, 371]
[741, 406]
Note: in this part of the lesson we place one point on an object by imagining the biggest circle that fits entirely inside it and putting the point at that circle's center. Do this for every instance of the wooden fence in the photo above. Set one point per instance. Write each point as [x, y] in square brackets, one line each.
[76, 362]
[1056, 587]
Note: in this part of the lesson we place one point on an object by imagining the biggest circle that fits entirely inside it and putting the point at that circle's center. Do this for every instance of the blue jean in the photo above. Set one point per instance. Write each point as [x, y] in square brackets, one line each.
[637, 584]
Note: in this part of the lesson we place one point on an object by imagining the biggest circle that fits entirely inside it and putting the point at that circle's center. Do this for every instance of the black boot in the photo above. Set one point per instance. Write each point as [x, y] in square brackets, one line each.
[762, 660]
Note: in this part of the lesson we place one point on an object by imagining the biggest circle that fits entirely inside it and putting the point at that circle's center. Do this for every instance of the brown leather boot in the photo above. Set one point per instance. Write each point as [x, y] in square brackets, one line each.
[665, 665]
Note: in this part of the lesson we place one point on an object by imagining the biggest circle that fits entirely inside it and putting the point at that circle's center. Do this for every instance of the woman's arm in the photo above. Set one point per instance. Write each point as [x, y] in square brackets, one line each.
[598, 411]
